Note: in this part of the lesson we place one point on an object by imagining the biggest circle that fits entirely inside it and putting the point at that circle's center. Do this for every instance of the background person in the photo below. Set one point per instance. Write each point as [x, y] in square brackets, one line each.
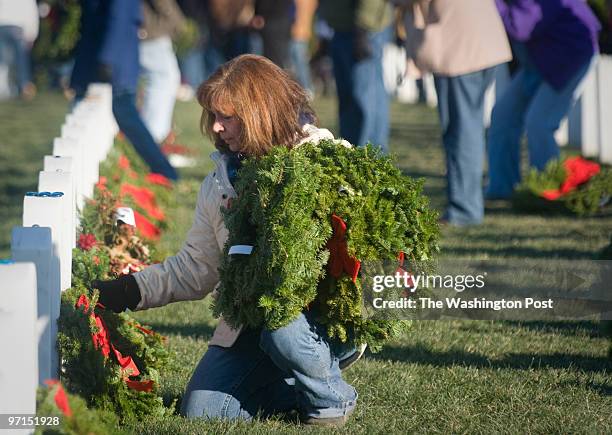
[460, 42]
[19, 23]
[108, 51]
[361, 29]
[555, 42]
[158, 65]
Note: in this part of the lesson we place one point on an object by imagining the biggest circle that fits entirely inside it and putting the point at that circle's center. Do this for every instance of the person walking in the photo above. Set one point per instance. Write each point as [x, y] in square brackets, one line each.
[158, 65]
[556, 44]
[19, 23]
[108, 51]
[360, 31]
[461, 43]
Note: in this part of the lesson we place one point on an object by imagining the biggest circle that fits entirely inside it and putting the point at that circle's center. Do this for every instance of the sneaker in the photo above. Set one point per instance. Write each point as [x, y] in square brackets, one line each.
[352, 358]
[328, 421]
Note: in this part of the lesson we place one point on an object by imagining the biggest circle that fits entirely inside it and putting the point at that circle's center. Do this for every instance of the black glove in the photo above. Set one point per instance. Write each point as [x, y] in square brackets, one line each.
[362, 49]
[118, 294]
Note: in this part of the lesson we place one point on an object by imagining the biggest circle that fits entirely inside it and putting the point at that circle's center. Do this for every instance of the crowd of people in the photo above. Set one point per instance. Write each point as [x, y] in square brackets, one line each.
[553, 45]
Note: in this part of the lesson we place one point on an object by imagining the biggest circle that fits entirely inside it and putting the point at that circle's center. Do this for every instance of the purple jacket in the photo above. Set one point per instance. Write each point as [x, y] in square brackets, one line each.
[560, 35]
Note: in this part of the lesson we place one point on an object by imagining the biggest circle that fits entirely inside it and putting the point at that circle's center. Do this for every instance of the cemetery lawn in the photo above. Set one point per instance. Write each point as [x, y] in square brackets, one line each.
[444, 376]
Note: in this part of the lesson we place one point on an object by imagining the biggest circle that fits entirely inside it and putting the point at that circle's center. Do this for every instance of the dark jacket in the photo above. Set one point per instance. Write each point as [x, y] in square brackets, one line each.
[108, 44]
[345, 15]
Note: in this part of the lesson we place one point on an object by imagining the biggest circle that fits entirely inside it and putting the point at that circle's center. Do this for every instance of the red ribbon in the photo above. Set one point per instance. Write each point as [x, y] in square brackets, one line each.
[125, 165]
[61, 399]
[145, 227]
[102, 341]
[400, 269]
[158, 179]
[144, 198]
[578, 171]
[339, 260]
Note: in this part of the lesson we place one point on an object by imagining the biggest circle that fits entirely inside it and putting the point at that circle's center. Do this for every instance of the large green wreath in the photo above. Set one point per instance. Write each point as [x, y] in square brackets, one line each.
[283, 209]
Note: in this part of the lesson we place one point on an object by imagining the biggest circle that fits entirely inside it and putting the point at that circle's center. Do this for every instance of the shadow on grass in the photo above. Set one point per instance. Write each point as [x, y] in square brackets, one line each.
[420, 354]
[602, 389]
[200, 331]
[581, 328]
[520, 252]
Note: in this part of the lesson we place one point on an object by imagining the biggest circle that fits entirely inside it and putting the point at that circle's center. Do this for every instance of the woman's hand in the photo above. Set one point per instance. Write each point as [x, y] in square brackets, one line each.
[118, 294]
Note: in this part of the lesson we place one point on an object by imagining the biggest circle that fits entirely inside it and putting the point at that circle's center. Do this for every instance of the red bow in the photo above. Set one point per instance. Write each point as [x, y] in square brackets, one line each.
[101, 341]
[339, 260]
[144, 198]
[578, 171]
[158, 179]
[146, 228]
[61, 399]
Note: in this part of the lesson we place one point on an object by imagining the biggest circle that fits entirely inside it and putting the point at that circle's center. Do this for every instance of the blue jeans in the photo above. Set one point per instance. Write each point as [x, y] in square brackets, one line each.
[267, 372]
[532, 105]
[14, 51]
[131, 124]
[298, 52]
[160, 71]
[363, 102]
[460, 106]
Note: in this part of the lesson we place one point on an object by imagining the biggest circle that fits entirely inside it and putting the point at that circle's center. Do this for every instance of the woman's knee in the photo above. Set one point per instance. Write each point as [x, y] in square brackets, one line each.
[297, 347]
[209, 404]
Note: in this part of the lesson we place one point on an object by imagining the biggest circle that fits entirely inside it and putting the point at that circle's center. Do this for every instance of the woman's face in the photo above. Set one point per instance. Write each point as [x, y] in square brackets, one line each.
[229, 128]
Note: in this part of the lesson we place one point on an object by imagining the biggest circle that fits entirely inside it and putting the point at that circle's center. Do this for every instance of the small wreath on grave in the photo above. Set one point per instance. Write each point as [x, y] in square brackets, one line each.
[67, 413]
[109, 359]
[573, 185]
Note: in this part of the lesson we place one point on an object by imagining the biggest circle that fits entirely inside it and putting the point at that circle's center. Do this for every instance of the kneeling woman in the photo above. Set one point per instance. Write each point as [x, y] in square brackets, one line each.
[249, 106]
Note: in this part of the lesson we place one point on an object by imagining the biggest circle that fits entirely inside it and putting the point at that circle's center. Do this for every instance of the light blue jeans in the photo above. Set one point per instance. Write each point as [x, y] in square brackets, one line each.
[529, 105]
[363, 102]
[14, 52]
[461, 107]
[267, 372]
[160, 72]
[298, 53]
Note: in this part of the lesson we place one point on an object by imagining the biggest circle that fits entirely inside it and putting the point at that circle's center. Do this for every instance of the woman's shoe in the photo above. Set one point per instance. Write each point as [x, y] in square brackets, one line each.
[352, 358]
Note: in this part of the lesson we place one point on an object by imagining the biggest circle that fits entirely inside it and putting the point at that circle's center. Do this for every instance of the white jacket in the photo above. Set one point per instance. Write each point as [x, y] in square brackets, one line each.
[21, 13]
[192, 273]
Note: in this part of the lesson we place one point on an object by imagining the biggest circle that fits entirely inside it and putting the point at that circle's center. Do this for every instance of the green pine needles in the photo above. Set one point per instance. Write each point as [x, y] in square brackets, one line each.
[284, 208]
[586, 200]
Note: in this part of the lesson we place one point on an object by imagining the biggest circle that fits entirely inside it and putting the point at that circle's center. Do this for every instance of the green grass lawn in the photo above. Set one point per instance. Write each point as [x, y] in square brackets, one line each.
[445, 376]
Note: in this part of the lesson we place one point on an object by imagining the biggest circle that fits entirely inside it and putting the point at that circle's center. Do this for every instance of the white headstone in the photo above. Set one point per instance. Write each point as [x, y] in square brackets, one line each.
[34, 244]
[60, 181]
[65, 164]
[54, 163]
[584, 118]
[71, 148]
[89, 156]
[48, 211]
[18, 338]
[604, 77]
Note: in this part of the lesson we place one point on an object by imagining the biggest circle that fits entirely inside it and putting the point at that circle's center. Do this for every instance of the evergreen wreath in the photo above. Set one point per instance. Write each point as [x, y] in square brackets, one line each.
[287, 203]
[52, 402]
[109, 359]
[587, 198]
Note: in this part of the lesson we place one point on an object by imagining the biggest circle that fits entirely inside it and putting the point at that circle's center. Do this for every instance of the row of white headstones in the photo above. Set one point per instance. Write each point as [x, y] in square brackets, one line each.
[41, 251]
[587, 126]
